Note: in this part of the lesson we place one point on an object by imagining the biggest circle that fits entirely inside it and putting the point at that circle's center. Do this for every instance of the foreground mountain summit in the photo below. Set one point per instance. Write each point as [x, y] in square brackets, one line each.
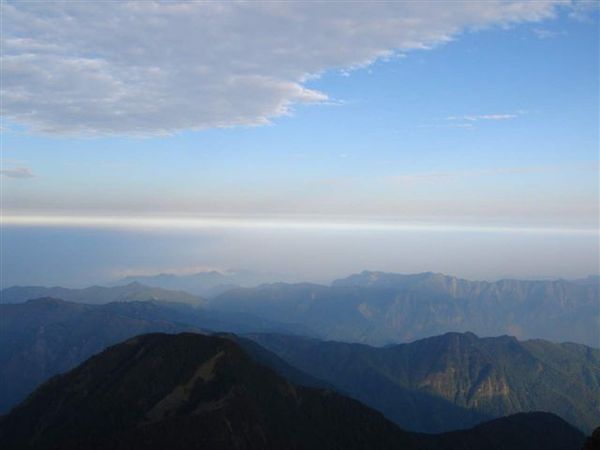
[43, 337]
[190, 391]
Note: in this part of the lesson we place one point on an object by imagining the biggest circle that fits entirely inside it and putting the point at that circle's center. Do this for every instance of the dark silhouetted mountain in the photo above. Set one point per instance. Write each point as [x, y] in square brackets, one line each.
[274, 362]
[43, 337]
[207, 284]
[593, 442]
[98, 294]
[189, 391]
[510, 433]
[455, 380]
[379, 308]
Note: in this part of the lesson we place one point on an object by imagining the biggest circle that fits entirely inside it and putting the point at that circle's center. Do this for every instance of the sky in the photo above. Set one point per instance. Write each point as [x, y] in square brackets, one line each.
[312, 138]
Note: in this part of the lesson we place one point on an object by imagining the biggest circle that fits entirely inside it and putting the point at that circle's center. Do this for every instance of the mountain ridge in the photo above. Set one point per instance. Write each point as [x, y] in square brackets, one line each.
[377, 308]
[208, 283]
[191, 391]
[454, 380]
[99, 294]
[42, 337]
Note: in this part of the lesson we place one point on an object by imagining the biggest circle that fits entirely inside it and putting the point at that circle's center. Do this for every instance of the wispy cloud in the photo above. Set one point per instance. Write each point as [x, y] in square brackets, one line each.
[69, 70]
[17, 172]
[583, 10]
[480, 117]
[463, 125]
[542, 33]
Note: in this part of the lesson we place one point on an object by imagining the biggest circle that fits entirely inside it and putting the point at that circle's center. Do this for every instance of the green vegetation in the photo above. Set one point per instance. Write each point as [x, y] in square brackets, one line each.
[455, 380]
[191, 391]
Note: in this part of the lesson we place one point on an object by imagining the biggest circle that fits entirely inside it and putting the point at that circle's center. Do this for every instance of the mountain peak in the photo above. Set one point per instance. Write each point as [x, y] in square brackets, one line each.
[188, 391]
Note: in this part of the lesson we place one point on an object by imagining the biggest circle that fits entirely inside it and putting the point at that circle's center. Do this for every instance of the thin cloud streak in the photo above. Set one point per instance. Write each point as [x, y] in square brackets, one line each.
[479, 117]
[200, 223]
[17, 172]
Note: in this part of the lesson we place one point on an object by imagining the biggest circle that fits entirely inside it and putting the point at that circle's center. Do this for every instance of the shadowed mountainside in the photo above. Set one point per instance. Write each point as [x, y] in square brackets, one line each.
[43, 337]
[509, 433]
[455, 380]
[191, 391]
[593, 441]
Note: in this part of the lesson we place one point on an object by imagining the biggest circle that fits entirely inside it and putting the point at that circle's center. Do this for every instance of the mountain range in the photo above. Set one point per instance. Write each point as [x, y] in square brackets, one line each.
[380, 308]
[99, 294]
[207, 284]
[432, 385]
[44, 337]
[455, 380]
[400, 344]
[189, 391]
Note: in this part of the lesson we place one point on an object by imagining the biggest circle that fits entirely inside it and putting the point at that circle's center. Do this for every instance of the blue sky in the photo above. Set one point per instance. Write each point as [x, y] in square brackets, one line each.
[493, 126]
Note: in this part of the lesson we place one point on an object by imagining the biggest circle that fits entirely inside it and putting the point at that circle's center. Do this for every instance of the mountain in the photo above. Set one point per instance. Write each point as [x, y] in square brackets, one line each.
[190, 391]
[454, 380]
[43, 337]
[593, 441]
[207, 284]
[378, 308]
[510, 433]
[99, 294]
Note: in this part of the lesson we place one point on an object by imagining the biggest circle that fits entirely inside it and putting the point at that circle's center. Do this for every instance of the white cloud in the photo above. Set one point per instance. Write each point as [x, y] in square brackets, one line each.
[17, 172]
[477, 118]
[542, 33]
[157, 67]
[583, 10]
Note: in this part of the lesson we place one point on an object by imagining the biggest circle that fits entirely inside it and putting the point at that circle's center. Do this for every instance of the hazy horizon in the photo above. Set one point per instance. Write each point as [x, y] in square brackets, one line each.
[313, 139]
[80, 257]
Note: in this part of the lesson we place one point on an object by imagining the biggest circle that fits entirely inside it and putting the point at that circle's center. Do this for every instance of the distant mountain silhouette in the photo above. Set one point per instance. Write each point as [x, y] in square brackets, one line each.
[379, 308]
[133, 291]
[190, 391]
[207, 284]
[43, 337]
[455, 380]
